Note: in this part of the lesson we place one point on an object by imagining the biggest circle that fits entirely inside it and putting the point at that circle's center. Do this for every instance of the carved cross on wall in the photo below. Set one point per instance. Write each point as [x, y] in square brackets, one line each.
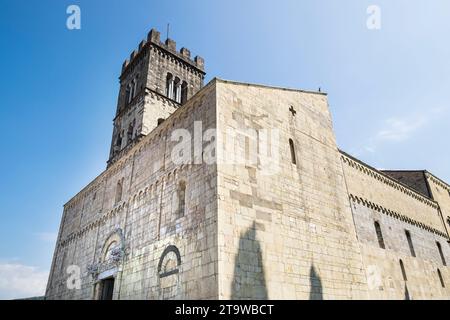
[292, 110]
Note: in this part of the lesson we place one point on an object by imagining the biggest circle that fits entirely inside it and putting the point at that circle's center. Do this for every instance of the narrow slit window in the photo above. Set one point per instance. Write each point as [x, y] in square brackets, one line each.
[441, 253]
[292, 147]
[402, 267]
[410, 243]
[379, 235]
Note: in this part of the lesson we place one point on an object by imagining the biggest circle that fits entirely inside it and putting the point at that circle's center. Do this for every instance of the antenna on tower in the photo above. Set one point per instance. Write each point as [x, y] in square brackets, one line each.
[168, 29]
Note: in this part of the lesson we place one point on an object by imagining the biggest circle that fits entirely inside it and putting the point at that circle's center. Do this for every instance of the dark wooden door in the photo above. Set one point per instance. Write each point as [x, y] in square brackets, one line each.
[107, 289]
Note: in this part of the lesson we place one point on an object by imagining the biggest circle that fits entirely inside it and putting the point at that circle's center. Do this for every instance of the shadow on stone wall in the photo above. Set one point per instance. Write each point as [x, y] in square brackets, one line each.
[407, 296]
[316, 292]
[249, 281]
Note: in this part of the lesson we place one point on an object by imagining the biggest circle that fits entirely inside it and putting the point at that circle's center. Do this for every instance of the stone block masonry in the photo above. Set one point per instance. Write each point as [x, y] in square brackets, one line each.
[290, 218]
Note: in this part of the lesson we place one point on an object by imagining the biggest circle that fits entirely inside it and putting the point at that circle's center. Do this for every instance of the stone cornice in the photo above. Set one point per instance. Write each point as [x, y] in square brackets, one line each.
[436, 180]
[161, 50]
[176, 58]
[384, 178]
[396, 215]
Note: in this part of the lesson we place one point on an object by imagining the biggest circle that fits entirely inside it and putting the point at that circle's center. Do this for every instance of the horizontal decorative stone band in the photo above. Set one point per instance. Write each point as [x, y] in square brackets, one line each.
[396, 215]
[438, 181]
[76, 235]
[356, 164]
[174, 174]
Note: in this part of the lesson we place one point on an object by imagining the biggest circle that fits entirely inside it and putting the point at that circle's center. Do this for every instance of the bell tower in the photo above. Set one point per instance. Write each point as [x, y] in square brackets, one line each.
[155, 81]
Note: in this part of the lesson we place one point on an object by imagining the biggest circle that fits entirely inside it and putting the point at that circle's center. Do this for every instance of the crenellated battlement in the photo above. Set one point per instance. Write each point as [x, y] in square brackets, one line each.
[170, 46]
[157, 67]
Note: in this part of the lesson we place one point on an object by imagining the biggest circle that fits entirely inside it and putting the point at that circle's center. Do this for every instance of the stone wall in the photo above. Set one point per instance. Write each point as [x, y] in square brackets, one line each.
[441, 193]
[374, 186]
[378, 198]
[295, 221]
[145, 222]
[289, 234]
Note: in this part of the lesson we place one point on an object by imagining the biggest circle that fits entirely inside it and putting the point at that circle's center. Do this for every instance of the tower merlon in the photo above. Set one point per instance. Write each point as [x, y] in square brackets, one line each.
[125, 64]
[142, 44]
[200, 62]
[154, 37]
[133, 55]
[185, 52]
[171, 44]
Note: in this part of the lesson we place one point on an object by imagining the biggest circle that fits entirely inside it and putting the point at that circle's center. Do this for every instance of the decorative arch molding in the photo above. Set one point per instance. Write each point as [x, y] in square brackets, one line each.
[118, 237]
[162, 273]
[111, 256]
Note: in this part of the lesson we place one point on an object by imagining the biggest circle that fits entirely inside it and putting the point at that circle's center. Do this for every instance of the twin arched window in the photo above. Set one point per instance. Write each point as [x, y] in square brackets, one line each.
[131, 90]
[176, 89]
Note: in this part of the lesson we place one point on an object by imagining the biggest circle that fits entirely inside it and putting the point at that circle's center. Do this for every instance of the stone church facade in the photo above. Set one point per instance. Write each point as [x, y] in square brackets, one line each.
[318, 224]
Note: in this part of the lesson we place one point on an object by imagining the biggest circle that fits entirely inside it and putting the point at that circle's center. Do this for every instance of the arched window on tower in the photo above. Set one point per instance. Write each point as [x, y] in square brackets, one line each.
[402, 267]
[441, 279]
[177, 90]
[184, 92]
[130, 131]
[128, 94]
[118, 192]
[291, 146]
[169, 86]
[379, 234]
[131, 92]
[119, 141]
[441, 253]
[135, 86]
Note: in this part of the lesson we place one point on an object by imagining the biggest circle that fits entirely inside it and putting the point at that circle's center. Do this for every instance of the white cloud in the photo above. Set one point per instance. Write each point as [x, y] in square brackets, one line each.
[400, 129]
[46, 236]
[21, 281]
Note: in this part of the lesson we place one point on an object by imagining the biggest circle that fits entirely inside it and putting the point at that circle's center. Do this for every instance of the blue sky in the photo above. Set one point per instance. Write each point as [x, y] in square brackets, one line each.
[388, 90]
